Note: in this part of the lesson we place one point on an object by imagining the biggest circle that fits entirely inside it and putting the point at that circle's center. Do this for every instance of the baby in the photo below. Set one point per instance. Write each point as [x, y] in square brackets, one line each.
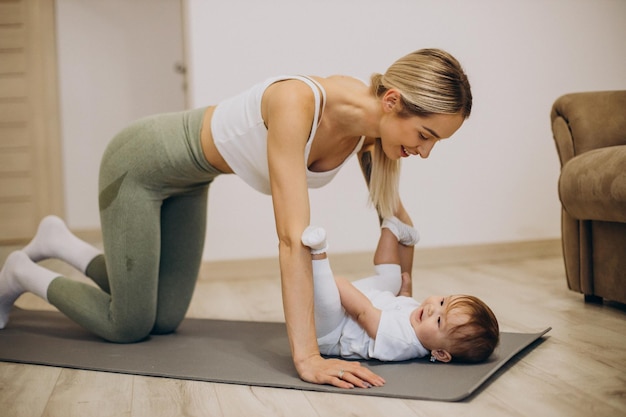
[376, 318]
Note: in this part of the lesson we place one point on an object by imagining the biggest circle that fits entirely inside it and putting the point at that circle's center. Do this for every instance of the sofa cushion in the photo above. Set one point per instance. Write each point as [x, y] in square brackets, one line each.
[595, 119]
[592, 186]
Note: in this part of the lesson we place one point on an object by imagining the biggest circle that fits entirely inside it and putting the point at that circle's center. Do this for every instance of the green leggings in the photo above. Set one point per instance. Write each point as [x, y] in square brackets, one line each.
[153, 188]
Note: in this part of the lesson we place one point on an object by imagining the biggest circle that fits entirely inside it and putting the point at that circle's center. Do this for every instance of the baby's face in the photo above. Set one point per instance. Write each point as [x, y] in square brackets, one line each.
[432, 320]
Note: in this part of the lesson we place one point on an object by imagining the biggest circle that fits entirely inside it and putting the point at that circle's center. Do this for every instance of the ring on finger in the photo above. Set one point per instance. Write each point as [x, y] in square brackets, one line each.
[340, 375]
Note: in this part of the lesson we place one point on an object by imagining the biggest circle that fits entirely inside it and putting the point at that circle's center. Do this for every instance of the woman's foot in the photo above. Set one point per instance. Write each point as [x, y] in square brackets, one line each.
[51, 233]
[54, 240]
[18, 275]
[10, 287]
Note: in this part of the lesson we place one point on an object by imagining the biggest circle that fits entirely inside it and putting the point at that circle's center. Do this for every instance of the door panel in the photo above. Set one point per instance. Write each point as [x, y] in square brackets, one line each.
[30, 176]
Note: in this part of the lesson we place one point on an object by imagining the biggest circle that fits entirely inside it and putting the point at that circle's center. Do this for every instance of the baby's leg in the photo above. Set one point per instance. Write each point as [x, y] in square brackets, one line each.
[328, 310]
[389, 276]
[386, 264]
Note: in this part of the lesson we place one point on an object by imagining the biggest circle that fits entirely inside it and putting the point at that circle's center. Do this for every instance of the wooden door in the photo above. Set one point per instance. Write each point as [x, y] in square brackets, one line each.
[30, 161]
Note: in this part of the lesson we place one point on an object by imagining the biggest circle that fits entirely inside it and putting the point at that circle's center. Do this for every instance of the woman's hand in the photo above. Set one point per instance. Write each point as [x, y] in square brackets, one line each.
[337, 372]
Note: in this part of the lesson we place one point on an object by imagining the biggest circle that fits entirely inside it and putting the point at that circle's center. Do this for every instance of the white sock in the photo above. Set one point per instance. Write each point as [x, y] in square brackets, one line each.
[54, 240]
[407, 235]
[315, 238]
[388, 278]
[392, 275]
[19, 274]
[390, 271]
[328, 310]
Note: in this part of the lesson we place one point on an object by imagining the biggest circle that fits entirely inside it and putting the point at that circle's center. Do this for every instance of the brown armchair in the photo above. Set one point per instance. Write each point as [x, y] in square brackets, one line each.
[590, 134]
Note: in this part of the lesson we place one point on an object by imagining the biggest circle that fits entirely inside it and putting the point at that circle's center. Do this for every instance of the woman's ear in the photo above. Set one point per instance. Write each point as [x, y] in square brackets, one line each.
[441, 355]
[390, 99]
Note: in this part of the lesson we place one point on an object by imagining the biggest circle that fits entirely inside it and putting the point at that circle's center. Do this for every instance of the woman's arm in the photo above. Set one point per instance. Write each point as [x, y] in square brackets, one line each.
[359, 306]
[288, 109]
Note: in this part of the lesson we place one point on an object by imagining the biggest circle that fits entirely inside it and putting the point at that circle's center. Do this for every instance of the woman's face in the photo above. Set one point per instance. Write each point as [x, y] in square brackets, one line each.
[416, 135]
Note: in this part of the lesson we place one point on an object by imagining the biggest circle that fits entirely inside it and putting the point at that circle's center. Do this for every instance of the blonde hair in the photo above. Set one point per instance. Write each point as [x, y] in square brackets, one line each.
[430, 81]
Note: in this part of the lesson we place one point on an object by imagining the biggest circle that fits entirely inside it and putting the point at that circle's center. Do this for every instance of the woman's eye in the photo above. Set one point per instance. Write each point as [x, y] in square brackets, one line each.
[442, 300]
[439, 322]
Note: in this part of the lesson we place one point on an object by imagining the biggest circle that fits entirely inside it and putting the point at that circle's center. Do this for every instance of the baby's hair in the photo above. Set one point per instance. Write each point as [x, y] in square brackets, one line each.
[475, 339]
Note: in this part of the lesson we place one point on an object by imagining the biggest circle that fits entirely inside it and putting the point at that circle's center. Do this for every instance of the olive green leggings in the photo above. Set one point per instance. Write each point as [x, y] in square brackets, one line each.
[153, 189]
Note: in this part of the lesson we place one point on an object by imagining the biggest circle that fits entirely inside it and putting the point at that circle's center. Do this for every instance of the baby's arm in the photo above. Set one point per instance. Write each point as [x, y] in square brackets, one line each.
[359, 306]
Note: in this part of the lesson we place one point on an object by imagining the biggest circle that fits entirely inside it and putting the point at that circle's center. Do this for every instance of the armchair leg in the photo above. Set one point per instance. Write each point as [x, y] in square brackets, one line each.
[593, 299]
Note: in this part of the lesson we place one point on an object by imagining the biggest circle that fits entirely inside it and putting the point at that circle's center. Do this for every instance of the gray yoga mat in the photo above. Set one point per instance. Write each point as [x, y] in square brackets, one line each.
[235, 352]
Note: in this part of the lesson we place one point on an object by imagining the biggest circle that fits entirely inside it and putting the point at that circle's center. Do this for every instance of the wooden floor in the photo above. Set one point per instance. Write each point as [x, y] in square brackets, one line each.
[579, 370]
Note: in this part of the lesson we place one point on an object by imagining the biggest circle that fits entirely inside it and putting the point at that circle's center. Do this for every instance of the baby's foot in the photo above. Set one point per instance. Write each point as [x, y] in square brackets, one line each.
[315, 238]
[407, 235]
[10, 288]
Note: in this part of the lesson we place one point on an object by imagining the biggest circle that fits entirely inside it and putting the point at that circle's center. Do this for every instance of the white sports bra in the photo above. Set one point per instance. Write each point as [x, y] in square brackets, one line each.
[240, 135]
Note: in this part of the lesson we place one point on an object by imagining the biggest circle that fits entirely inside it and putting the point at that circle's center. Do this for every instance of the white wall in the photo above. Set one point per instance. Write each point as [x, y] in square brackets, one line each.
[494, 181]
[116, 64]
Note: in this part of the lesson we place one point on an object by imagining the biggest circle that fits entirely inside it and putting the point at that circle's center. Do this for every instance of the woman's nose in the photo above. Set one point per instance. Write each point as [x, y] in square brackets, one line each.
[425, 148]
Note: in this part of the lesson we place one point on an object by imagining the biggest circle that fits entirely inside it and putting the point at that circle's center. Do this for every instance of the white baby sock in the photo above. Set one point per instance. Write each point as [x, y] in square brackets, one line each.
[54, 240]
[406, 234]
[392, 276]
[315, 238]
[388, 278]
[328, 310]
[18, 275]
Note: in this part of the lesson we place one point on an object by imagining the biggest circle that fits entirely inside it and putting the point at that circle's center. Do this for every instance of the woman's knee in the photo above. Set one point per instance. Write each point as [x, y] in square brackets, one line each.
[130, 331]
[165, 325]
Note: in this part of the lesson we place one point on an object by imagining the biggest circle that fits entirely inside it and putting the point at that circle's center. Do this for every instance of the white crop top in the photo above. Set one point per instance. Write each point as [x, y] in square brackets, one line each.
[240, 135]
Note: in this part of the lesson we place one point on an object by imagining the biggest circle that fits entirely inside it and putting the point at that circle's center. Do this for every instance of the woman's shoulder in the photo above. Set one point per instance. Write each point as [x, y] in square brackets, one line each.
[341, 81]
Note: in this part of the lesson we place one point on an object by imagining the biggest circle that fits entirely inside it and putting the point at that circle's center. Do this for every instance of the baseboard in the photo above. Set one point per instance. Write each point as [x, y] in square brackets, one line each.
[424, 257]
[343, 263]
[492, 252]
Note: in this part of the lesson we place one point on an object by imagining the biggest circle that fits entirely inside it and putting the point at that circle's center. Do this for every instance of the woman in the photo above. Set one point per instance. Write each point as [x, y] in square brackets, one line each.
[283, 136]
